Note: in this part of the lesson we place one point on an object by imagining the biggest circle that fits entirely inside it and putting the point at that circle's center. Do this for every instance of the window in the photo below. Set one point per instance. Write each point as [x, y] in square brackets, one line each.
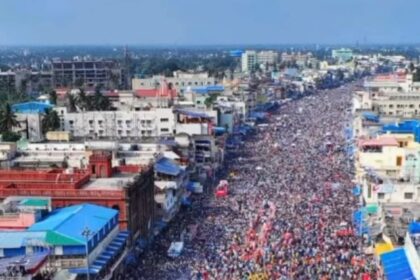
[164, 130]
[399, 160]
[408, 195]
[381, 195]
[164, 120]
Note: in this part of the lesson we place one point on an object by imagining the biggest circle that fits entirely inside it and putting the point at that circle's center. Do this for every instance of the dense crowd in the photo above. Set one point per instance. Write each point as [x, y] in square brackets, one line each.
[290, 194]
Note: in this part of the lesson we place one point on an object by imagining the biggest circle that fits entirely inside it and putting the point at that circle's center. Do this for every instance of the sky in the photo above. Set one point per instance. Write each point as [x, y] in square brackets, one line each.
[208, 22]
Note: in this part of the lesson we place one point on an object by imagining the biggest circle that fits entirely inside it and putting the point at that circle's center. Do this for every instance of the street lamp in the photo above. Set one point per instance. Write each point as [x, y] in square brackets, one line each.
[87, 233]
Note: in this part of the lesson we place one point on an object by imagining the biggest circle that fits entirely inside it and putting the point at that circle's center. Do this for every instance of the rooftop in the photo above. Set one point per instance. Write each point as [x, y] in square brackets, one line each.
[117, 182]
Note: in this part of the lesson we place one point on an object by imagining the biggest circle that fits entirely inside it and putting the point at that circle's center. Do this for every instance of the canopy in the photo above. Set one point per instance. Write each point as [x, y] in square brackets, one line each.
[414, 228]
[357, 190]
[381, 248]
[396, 266]
[167, 166]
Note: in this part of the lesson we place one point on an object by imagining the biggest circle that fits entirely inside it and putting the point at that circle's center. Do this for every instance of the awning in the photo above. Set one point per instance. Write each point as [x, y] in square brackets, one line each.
[414, 228]
[357, 190]
[219, 129]
[396, 266]
[167, 166]
[83, 270]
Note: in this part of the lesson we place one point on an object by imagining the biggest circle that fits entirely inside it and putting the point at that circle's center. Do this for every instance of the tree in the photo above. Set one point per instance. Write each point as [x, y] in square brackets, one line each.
[51, 121]
[83, 101]
[10, 136]
[8, 119]
[71, 102]
[53, 97]
[99, 102]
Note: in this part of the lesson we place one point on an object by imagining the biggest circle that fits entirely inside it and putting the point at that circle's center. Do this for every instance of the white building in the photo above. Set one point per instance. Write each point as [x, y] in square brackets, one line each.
[180, 81]
[249, 61]
[118, 124]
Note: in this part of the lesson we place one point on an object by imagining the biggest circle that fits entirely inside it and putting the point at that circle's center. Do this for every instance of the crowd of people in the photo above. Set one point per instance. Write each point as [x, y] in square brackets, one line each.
[290, 195]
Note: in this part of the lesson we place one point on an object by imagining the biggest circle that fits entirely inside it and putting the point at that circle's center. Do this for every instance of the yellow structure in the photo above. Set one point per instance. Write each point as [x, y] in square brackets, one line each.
[61, 136]
[381, 248]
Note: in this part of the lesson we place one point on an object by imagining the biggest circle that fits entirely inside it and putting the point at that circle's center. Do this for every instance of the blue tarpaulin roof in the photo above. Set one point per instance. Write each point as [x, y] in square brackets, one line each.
[71, 221]
[31, 107]
[409, 126]
[167, 166]
[219, 129]
[414, 228]
[396, 266]
[369, 116]
[208, 89]
[83, 270]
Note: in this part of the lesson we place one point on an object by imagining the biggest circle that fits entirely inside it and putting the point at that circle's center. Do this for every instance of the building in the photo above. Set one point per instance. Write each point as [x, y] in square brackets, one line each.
[170, 181]
[342, 55]
[30, 115]
[74, 235]
[180, 81]
[26, 80]
[127, 189]
[89, 73]
[249, 61]
[134, 124]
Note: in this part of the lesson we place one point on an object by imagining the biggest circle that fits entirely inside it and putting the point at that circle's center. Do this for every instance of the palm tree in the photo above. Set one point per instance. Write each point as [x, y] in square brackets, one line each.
[8, 119]
[83, 101]
[71, 102]
[51, 121]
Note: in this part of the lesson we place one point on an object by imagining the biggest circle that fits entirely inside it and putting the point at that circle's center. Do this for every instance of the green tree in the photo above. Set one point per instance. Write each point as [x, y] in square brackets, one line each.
[10, 136]
[53, 96]
[8, 119]
[51, 121]
[83, 101]
[71, 102]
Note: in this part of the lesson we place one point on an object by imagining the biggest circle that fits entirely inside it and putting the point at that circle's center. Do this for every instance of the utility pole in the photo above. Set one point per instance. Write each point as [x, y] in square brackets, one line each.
[87, 233]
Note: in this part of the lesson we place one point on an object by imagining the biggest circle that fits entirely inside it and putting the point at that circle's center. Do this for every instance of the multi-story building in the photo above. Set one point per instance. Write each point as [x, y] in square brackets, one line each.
[249, 61]
[180, 81]
[26, 80]
[118, 124]
[129, 190]
[89, 73]
[252, 59]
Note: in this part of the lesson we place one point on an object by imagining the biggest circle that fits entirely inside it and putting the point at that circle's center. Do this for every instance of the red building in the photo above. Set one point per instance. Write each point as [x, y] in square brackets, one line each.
[128, 189]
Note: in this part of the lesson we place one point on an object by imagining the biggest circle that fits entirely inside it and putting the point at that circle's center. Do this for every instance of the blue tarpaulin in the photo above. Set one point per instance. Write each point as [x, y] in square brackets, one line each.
[357, 190]
[208, 89]
[369, 116]
[83, 270]
[167, 166]
[219, 129]
[396, 265]
[31, 107]
[414, 228]
[409, 126]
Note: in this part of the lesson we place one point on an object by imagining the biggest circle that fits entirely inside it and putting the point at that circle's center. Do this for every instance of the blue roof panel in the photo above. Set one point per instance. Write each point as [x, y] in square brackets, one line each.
[31, 107]
[167, 166]
[71, 221]
[396, 266]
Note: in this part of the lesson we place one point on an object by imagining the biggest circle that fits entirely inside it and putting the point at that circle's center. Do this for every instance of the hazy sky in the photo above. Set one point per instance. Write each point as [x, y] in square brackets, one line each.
[202, 22]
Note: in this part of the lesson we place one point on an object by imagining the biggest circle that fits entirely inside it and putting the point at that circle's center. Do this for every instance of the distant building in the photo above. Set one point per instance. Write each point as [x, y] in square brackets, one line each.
[252, 59]
[180, 81]
[249, 61]
[342, 55]
[89, 73]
